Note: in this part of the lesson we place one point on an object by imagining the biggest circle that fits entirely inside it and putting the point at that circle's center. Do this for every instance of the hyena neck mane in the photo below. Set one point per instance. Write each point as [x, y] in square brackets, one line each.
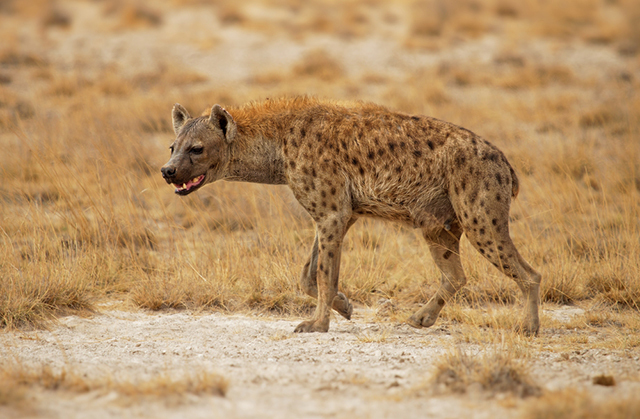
[256, 153]
[263, 127]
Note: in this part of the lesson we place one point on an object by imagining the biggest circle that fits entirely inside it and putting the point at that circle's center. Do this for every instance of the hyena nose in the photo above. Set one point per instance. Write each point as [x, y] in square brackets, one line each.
[168, 172]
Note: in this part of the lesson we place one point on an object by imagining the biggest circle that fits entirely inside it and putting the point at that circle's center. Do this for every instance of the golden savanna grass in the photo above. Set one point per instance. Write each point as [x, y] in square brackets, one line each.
[17, 378]
[86, 218]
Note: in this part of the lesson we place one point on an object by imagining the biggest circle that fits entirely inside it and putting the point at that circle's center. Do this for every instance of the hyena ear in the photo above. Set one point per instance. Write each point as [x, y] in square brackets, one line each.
[223, 120]
[179, 115]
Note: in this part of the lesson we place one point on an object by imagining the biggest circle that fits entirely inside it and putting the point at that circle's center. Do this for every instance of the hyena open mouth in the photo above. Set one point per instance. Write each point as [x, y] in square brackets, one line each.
[190, 186]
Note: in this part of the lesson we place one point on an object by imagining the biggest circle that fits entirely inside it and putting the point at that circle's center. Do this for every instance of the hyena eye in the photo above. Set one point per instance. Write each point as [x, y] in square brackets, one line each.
[171, 149]
[197, 150]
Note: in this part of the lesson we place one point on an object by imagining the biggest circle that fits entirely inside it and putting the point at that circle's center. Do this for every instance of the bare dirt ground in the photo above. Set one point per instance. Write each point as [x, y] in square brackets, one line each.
[360, 368]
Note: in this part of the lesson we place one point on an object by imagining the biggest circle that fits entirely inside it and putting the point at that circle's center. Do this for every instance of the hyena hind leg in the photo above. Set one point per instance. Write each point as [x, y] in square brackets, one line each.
[498, 248]
[445, 250]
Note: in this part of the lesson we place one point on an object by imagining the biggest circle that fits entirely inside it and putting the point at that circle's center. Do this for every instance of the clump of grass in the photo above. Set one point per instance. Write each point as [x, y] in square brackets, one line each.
[494, 372]
[33, 297]
[17, 379]
[167, 385]
[580, 404]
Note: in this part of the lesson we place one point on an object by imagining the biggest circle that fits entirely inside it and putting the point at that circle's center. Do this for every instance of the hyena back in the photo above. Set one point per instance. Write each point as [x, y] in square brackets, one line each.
[346, 161]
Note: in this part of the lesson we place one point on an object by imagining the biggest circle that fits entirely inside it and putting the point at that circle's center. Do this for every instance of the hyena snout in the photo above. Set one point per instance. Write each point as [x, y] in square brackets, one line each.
[168, 172]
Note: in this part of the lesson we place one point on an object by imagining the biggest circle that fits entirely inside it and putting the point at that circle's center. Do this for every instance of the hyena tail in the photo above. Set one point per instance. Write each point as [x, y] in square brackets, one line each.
[515, 183]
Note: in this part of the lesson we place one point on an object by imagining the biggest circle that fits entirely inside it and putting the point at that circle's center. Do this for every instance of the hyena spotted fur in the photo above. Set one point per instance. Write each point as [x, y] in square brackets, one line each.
[346, 161]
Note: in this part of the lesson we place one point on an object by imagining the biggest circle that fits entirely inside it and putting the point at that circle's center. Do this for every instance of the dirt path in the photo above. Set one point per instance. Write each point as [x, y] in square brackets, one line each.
[358, 369]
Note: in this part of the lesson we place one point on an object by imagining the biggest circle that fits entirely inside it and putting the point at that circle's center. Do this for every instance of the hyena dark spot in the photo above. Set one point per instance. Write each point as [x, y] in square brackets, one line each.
[354, 161]
[455, 189]
[335, 222]
[482, 231]
[303, 132]
[499, 178]
[330, 237]
[399, 169]
[292, 164]
[463, 185]
[466, 215]
[415, 118]
[500, 248]
[313, 172]
[313, 205]
[323, 194]
[430, 144]
[331, 254]
[440, 302]
[321, 266]
[380, 152]
[494, 221]
[481, 250]
[334, 207]
[486, 185]
[447, 254]
[371, 155]
[333, 191]
[479, 244]
[361, 170]
[402, 144]
[323, 204]
[392, 146]
[344, 144]
[306, 189]
[489, 243]
[491, 156]
[498, 197]
[417, 154]
[475, 220]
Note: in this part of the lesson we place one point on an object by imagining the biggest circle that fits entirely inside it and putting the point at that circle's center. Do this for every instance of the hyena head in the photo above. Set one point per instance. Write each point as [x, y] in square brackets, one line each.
[200, 153]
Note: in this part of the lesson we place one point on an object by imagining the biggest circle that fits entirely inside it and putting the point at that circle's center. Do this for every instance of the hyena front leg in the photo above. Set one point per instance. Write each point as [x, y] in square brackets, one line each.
[330, 234]
[309, 280]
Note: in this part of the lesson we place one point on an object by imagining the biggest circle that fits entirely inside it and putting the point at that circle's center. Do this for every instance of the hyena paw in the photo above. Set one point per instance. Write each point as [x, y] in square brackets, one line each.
[418, 321]
[342, 305]
[310, 326]
[528, 328]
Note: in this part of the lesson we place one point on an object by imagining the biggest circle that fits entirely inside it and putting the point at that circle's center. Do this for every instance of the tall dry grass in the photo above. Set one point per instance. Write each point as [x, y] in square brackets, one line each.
[86, 216]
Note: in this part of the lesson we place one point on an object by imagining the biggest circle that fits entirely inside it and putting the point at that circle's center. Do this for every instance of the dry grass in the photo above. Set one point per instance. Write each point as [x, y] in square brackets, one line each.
[576, 404]
[460, 372]
[86, 216]
[18, 379]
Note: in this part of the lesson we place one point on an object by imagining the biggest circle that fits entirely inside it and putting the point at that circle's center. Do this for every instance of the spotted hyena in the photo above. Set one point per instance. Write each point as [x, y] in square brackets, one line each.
[346, 161]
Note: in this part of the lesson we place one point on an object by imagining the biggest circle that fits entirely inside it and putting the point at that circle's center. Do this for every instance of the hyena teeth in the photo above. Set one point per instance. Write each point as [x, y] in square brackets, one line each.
[195, 180]
[184, 186]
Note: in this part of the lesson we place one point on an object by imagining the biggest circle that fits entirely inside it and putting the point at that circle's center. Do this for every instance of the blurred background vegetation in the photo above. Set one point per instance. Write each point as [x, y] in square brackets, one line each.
[86, 90]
